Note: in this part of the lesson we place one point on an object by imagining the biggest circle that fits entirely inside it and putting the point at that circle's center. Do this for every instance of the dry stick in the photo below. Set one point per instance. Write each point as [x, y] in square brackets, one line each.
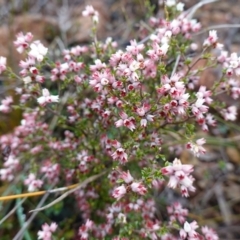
[192, 10]
[33, 194]
[19, 235]
[176, 64]
[217, 27]
[12, 211]
[224, 208]
[60, 43]
[83, 184]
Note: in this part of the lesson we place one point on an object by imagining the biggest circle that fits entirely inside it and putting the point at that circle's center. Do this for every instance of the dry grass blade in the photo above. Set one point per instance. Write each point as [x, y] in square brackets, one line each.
[176, 64]
[34, 194]
[20, 233]
[83, 184]
[192, 10]
[220, 26]
[12, 211]
[224, 207]
[23, 195]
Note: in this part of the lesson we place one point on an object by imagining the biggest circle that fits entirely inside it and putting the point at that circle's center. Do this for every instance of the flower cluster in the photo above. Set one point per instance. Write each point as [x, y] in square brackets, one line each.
[3, 62]
[33, 183]
[5, 106]
[136, 187]
[46, 98]
[100, 111]
[188, 231]
[209, 233]
[90, 11]
[10, 167]
[177, 212]
[179, 174]
[197, 148]
[84, 229]
[47, 231]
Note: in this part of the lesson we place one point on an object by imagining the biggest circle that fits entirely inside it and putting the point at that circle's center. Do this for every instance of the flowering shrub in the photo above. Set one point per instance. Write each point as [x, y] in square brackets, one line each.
[105, 110]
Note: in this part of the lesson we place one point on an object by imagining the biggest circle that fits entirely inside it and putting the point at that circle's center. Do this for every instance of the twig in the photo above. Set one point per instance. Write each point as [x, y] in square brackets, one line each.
[12, 211]
[83, 184]
[176, 64]
[19, 235]
[60, 43]
[217, 27]
[224, 208]
[22, 220]
[34, 194]
[190, 12]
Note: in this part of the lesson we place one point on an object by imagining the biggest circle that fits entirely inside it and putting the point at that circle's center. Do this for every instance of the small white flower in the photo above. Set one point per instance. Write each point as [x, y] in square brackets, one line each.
[213, 36]
[95, 18]
[212, 39]
[197, 147]
[194, 46]
[134, 66]
[180, 6]
[38, 51]
[170, 3]
[104, 81]
[3, 62]
[122, 218]
[230, 114]
[27, 80]
[187, 227]
[47, 98]
[164, 48]
[89, 11]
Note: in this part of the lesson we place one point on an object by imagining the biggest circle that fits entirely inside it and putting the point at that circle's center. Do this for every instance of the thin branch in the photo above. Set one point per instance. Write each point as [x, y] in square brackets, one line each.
[190, 12]
[219, 26]
[222, 203]
[60, 43]
[34, 194]
[12, 211]
[19, 235]
[176, 64]
[22, 219]
[81, 185]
